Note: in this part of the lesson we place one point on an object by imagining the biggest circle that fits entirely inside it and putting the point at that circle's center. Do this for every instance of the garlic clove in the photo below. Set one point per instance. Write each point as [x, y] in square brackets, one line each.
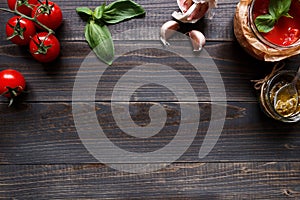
[167, 30]
[184, 5]
[198, 39]
[185, 16]
[193, 10]
[199, 11]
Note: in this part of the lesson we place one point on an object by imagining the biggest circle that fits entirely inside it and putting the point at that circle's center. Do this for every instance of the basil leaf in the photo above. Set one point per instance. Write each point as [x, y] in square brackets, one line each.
[265, 23]
[100, 40]
[97, 33]
[99, 11]
[278, 8]
[121, 10]
[84, 10]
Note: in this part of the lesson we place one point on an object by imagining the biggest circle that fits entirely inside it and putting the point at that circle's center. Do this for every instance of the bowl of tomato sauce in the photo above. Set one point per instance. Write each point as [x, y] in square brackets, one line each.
[286, 30]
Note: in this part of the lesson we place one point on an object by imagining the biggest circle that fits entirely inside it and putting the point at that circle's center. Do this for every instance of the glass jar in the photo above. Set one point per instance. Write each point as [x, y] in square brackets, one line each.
[295, 9]
[268, 91]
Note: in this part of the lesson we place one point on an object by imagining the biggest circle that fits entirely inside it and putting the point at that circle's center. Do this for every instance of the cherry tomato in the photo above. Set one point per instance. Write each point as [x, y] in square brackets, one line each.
[12, 83]
[44, 47]
[23, 6]
[48, 13]
[20, 30]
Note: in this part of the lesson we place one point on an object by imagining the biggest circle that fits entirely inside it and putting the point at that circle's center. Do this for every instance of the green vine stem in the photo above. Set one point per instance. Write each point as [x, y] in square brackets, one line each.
[50, 31]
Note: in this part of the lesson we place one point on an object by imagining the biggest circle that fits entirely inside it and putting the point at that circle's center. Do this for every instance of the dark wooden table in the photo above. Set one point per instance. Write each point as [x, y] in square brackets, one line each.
[43, 157]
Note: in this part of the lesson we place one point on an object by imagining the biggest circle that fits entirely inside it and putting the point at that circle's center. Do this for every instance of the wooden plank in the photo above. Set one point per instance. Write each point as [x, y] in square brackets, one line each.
[45, 133]
[157, 13]
[239, 180]
[55, 81]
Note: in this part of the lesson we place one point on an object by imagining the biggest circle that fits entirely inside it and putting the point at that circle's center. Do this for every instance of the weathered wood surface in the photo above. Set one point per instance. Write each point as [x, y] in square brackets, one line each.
[157, 12]
[55, 81]
[45, 133]
[42, 156]
[255, 180]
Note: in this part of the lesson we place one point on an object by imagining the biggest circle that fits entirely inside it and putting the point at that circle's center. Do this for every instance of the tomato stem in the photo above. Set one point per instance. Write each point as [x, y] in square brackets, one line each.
[23, 2]
[42, 49]
[50, 31]
[11, 100]
[44, 8]
[18, 31]
[14, 92]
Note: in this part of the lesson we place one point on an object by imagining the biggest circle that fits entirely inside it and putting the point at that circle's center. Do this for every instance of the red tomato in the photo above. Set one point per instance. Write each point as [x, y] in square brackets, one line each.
[20, 30]
[12, 83]
[44, 47]
[49, 14]
[24, 6]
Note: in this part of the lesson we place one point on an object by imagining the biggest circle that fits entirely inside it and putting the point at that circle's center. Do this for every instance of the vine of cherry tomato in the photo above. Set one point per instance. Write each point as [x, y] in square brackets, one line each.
[23, 6]
[44, 16]
[31, 15]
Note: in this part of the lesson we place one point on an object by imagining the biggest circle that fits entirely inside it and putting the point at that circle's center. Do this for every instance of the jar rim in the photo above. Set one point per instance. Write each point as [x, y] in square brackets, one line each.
[260, 37]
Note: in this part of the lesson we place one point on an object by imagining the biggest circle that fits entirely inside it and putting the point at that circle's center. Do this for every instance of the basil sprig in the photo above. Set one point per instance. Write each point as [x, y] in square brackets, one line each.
[97, 33]
[277, 8]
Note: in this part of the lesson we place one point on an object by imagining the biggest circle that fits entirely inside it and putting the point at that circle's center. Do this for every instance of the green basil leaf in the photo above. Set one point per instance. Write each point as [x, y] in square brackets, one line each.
[84, 10]
[100, 40]
[98, 12]
[278, 8]
[265, 23]
[121, 10]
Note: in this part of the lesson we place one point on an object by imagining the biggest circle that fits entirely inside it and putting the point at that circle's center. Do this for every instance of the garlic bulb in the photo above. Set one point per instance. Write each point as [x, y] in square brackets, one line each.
[167, 30]
[198, 39]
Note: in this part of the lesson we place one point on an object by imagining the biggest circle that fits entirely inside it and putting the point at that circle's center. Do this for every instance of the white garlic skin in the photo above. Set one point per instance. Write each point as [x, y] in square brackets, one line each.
[192, 10]
[198, 39]
[167, 30]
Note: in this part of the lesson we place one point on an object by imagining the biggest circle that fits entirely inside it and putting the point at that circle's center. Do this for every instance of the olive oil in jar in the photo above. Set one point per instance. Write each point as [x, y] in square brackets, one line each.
[285, 109]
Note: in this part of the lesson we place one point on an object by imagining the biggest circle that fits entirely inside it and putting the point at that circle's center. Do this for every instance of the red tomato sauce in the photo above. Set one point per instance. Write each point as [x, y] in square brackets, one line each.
[287, 30]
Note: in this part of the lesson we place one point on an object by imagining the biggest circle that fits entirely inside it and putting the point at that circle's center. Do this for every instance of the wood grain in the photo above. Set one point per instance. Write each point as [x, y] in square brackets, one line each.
[55, 81]
[255, 180]
[157, 13]
[43, 157]
[45, 133]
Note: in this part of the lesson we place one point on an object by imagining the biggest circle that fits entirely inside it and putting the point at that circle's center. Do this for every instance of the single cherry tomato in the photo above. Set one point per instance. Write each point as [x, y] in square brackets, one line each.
[48, 13]
[20, 30]
[23, 6]
[12, 84]
[44, 47]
